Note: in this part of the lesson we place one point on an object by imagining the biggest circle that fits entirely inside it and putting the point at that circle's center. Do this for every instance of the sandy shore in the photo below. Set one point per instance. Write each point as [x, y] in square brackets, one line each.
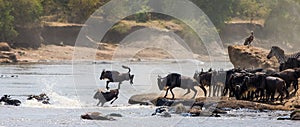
[48, 53]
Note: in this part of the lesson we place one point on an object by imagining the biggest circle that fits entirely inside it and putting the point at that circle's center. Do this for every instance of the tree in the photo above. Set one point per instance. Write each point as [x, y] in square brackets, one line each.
[26, 12]
[6, 21]
[81, 10]
[252, 9]
[218, 11]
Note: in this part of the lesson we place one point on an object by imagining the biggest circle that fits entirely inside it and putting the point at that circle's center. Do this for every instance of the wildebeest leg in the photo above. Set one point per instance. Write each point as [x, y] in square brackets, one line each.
[225, 90]
[167, 92]
[107, 85]
[172, 93]
[218, 90]
[114, 100]
[203, 88]
[209, 90]
[295, 84]
[98, 102]
[187, 92]
[214, 89]
[272, 96]
[195, 92]
[287, 93]
[131, 79]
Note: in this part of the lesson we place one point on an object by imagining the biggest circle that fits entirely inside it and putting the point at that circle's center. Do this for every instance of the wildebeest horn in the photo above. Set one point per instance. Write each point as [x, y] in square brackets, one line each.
[158, 76]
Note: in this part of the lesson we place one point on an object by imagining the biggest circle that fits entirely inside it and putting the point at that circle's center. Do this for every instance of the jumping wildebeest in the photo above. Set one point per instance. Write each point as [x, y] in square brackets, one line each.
[176, 80]
[274, 84]
[104, 97]
[115, 76]
[8, 101]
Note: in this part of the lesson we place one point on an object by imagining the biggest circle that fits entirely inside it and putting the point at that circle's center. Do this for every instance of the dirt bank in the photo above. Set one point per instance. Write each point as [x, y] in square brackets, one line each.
[48, 53]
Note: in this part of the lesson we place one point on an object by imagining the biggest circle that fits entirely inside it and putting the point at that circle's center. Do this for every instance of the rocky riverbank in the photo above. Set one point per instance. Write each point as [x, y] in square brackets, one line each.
[250, 57]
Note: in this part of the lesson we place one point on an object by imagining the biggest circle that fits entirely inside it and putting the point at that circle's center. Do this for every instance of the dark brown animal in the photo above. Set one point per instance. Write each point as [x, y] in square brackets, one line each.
[104, 96]
[249, 39]
[274, 84]
[290, 63]
[289, 76]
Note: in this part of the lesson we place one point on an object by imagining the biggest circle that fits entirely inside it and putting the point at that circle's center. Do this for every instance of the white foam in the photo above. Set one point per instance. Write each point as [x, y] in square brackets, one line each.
[56, 101]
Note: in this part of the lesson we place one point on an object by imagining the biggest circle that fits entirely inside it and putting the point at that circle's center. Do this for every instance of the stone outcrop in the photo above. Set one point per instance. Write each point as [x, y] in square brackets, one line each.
[6, 56]
[99, 116]
[250, 57]
[295, 115]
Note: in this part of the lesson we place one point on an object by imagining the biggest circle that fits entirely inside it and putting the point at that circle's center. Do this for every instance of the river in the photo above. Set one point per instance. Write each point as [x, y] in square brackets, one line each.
[71, 86]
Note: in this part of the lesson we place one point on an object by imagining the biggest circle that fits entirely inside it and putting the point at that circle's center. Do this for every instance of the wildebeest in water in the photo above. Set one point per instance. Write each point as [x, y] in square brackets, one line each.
[8, 101]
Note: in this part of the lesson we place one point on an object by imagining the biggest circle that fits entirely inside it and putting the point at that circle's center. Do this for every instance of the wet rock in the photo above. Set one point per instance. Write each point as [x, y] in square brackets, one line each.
[284, 118]
[162, 111]
[295, 115]
[143, 99]
[4, 46]
[250, 57]
[179, 108]
[115, 115]
[219, 111]
[96, 116]
[7, 57]
[160, 101]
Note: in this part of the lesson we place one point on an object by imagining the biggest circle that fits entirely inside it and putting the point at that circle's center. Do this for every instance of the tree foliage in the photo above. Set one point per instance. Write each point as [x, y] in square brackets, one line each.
[6, 21]
[283, 24]
[218, 11]
[252, 9]
[26, 12]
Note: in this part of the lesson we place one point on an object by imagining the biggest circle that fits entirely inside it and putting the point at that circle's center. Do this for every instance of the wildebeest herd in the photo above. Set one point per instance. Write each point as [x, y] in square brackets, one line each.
[247, 84]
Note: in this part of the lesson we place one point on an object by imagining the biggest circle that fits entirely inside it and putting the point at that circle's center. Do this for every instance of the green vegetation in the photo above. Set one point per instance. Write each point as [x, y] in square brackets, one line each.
[29, 13]
[6, 22]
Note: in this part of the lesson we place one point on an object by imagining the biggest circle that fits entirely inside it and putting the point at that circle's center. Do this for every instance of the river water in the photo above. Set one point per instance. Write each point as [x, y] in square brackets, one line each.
[71, 86]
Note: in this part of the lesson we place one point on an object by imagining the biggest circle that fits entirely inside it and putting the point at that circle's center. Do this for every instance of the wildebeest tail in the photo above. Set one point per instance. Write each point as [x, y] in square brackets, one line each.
[125, 67]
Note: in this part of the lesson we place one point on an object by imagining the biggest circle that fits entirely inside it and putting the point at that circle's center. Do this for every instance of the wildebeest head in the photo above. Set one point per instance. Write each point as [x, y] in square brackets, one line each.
[105, 74]
[161, 82]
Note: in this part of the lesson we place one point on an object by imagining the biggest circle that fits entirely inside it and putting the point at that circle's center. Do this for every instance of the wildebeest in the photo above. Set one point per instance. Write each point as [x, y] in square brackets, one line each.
[173, 80]
[8, 101]
[290, 64]
[289, 76]
[274, 84]
[106, 96]
[115, 76]
[40, 98]
[213, 79]
[252, 85]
